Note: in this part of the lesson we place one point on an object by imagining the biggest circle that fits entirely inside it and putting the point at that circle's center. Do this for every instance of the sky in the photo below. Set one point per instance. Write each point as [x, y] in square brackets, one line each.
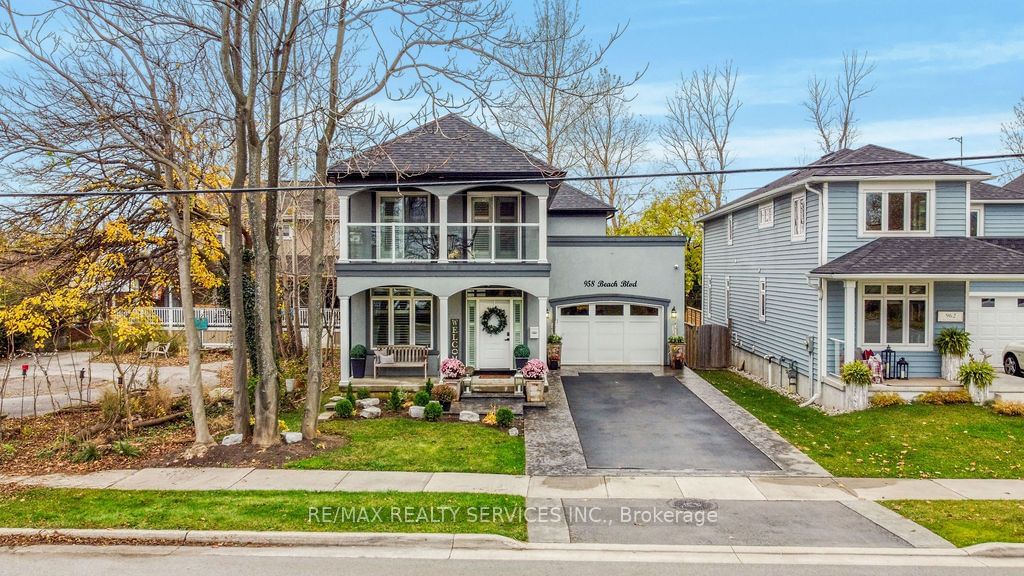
[944, 68]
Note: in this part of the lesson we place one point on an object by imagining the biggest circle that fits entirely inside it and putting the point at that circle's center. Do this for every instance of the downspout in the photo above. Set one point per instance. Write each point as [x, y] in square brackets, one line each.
[816, 384]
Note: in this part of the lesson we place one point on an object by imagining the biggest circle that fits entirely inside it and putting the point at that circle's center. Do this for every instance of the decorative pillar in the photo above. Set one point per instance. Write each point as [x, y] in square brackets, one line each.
[343, 200]
[542, 229]
[850, 315]
[344, 338]
[442, 238]
[542, 324]
[442, 321]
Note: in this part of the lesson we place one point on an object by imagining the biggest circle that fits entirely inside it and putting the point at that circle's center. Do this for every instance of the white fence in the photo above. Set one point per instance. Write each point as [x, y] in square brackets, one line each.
[220, 318]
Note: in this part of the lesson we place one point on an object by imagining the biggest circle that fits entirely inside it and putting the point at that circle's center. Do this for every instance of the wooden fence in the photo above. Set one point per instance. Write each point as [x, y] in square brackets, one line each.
[692, 316]
[708, 346]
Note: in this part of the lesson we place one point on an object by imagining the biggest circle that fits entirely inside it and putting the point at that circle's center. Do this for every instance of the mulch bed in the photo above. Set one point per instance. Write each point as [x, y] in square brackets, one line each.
[247, 455]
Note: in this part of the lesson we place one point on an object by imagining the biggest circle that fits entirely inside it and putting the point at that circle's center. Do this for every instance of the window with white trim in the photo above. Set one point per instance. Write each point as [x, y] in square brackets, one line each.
[762, 299]
[766, 214]
[897, 211]
[895, 314]
[285, 232]
[729, 229]
[401, 316]
[798, 216]
[977, 227]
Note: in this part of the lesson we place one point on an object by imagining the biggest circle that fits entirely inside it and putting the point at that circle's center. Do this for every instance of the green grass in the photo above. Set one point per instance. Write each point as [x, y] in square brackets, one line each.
[262, 511]
[415, 445]
[966, 522]
[915, 441]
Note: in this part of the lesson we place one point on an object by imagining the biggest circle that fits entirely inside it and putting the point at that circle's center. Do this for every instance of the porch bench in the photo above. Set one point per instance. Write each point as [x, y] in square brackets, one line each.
[406, 356]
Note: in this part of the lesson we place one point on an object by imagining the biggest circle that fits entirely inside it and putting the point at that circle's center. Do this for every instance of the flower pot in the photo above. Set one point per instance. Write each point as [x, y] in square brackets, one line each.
[856, 397]
[455, 383]
[357, 367]
[979, 394]
[289, 385]
[520, 362]
[447, 406]
[951, 367]
[677, 354]
[534, 390]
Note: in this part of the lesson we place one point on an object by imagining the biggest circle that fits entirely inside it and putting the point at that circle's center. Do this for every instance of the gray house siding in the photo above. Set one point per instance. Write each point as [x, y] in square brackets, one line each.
[1004, 220]
[792, 305]
[834, 326]
[586, 225]
[951, 209]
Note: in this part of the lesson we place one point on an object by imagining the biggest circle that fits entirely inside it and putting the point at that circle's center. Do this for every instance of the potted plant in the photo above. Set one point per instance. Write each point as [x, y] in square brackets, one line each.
[977, 377]
[554, 350]
[521, 353]
[857, 377]
[953, 344]
[445, 395]
[357, 361]
[452, 373]
[533, 372]
[677, 351]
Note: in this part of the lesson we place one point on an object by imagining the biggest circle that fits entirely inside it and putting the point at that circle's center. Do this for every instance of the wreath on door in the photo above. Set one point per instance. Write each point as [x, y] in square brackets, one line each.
[489, 315]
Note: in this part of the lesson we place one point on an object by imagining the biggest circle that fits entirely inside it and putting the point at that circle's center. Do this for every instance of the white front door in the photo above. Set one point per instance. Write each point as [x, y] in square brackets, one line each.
[993, 322]
[494, 351]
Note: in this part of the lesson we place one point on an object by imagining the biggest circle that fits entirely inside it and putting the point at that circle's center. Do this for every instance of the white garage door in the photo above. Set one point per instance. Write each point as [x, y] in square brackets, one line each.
[994, 322]
[611, 333]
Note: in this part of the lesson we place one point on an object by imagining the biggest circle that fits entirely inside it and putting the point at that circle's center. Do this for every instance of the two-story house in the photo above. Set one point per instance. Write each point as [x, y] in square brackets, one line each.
[852, 254]
[448, 233]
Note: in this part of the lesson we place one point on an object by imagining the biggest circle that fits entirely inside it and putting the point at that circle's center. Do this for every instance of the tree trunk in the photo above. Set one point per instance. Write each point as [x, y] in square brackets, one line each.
[239, 350]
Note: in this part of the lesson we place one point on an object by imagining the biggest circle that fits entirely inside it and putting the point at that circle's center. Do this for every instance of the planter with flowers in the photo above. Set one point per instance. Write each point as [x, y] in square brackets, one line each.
[977, 377]
[452, 373]
[533, 372]
[676, 351]
[554, 351]
[857, 377]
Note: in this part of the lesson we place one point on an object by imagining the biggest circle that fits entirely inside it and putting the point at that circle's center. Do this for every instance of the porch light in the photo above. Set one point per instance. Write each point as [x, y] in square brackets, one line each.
[673, 315]
[903, 369]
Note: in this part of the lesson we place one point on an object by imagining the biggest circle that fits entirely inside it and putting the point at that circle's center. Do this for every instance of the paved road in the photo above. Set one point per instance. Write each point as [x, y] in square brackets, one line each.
[642, 421]
[189, 561]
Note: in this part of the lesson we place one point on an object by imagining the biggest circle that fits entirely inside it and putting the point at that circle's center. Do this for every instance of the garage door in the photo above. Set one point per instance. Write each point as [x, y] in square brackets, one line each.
[611, 333]
[994, 322]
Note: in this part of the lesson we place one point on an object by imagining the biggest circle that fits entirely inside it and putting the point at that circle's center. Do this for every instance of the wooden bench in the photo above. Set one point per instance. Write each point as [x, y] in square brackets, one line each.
[406, 356]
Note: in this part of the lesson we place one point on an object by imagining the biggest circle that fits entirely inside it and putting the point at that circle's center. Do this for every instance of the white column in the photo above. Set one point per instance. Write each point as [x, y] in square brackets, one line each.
[542, 229]
[850, 315]
[442, 321]
[344, 338]
[542, 323]
[442, 250]
[343, 200]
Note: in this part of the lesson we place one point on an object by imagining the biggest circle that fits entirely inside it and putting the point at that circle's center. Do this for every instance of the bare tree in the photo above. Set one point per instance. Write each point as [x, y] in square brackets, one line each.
[610, 139]
[700, 118]
[831, 105]
[1013, 137]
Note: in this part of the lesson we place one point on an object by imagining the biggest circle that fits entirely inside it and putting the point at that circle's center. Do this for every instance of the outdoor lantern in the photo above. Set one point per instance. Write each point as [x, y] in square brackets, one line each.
[792, 373]
[24, 370]
[903, 369]
[888, 363]
[673, 313]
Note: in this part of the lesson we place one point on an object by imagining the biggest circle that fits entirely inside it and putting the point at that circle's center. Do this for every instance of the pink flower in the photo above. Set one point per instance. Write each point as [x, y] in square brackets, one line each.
[534, 369]
[452, 368]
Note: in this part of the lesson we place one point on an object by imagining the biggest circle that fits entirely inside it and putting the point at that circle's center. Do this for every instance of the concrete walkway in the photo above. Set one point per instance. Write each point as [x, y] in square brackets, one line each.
[769, 488]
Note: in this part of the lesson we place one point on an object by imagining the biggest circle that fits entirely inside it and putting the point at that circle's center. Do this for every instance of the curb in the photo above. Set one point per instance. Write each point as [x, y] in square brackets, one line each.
[996, 550]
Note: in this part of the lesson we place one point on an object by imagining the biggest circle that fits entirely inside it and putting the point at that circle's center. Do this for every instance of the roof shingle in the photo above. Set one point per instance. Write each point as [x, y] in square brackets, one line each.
[982, 191]
[924, 256]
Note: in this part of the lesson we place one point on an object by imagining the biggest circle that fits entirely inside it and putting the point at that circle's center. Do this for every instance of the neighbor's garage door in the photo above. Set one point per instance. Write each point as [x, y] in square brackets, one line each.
[994, 322]
[611, 333]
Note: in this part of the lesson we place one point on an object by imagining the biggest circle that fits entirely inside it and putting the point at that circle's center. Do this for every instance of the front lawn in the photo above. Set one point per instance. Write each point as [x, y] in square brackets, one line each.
[966, 522]
[915, 441]
[265, 511]
[419, 446]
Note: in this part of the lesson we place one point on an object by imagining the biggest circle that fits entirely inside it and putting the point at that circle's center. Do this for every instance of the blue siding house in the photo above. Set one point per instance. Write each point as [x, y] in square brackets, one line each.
[869, 248]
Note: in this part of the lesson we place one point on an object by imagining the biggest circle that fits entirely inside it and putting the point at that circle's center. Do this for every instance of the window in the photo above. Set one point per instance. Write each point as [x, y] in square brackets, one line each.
[988, 302]
[766, 215]
[729, 229]
[762, 305]
[401, 316]
[798, 209]
[1020, 302]
[977, 226]
[608, 310]
[638, 310]
[577, 310]
[285, 232]
[710, 284]
[895, 211]
[894, 314]
[728, 290]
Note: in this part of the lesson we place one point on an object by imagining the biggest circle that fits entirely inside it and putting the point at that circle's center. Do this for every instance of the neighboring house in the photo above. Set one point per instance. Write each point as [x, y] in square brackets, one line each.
[427, 249]
[827, 261]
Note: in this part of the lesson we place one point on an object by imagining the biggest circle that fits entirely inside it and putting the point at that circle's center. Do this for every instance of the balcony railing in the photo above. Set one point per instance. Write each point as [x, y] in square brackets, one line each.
[396, 242]
[392, 242]
[175, 317]
[493, 242]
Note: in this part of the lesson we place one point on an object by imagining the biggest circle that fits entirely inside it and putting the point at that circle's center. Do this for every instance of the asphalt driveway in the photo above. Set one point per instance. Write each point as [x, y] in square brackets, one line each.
[639, 421]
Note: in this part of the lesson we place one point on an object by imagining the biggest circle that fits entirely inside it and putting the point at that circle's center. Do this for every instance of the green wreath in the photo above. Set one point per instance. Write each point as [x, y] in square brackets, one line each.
[490, 314]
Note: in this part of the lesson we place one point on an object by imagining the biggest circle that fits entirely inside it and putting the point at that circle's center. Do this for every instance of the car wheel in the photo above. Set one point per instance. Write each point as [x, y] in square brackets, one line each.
[1011, 366]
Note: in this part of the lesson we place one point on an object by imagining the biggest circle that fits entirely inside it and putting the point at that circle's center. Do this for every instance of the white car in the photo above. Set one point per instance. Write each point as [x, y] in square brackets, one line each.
[1013, 357]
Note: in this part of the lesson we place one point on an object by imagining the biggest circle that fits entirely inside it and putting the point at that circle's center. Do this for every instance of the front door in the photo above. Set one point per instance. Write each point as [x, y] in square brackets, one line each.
[494, 351]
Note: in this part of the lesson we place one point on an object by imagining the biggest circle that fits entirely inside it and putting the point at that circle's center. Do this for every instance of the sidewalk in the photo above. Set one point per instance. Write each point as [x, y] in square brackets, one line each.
[768, 488]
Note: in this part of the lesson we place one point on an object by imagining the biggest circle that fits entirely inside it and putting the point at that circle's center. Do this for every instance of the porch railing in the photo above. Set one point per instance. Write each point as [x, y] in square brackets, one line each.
[175, 317]
[395, 242]
[400, 242]
[836, 356]
[494, 242]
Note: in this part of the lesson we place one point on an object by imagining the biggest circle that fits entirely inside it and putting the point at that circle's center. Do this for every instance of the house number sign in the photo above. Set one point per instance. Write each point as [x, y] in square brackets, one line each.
[610, 283]
[453, 337]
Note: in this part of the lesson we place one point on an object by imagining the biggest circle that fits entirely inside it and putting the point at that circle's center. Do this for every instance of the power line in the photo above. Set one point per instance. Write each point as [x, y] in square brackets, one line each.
[529, 180]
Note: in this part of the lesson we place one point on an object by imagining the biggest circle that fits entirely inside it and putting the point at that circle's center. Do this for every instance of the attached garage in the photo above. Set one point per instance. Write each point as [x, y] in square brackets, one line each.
[994, 320]
[611, 332]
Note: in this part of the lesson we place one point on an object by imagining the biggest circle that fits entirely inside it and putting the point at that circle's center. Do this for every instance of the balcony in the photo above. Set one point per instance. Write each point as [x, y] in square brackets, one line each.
[397, 242]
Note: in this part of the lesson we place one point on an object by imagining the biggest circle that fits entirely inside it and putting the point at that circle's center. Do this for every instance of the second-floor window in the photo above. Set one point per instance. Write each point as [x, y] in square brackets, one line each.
[898, 211]
[762, 299]
[798, 224]
[766, 214]
[977, 228]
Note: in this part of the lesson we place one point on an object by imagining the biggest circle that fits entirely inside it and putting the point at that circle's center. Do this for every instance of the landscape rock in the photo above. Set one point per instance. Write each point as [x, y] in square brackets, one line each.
[370, 412]
[416, 411]
[330, 405]
[367, 402]
[324, 416]
[513, 431]
[292, 437]
[469, 416]
[220, 394]
[231, 440]
[335, 398]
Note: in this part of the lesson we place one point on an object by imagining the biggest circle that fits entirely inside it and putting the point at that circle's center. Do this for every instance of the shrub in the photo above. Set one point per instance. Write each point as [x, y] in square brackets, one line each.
[443, 393]
[953, 341]
[363, 393]
[125, 448]
[429, 386]
[422, 398]
[940, 397]
[521, 351]
[1008, 408]
[111, 404]
[87, 453]
[977, 373]
[343, 408]
[452, 368]
[883, 399]
[856, 374]
[505, 417]
[554, 339]
[357, 352]
[491, 418]
[7, 452]
[395, 400]
[534, 369]
[157, 401]
[676, 340]
[350, 395]
[432, 412]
